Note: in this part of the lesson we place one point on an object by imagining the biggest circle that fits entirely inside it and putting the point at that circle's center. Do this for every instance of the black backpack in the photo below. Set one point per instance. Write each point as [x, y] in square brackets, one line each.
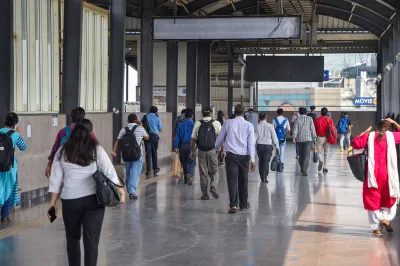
[206, 136]
[131, 151]
[6, 151]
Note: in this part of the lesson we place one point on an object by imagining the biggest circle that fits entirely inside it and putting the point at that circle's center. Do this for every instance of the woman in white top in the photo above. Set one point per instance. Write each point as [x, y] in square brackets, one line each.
[73, 167]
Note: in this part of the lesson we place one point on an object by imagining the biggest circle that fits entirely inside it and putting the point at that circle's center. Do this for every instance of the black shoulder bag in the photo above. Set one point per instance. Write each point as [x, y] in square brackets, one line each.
[358, 164]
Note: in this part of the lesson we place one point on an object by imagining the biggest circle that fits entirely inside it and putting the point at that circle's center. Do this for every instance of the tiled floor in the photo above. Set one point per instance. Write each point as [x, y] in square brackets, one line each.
[294, 220]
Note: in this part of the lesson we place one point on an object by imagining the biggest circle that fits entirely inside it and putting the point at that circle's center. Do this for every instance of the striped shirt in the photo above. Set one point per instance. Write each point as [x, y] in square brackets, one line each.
[140, 133]
[16, 138]
[304, 129]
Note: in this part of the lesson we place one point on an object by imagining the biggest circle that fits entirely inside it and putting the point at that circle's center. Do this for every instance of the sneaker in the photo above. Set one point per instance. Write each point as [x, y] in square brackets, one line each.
[321, 164]
[133, 196]
[341, 150]
[157, 171]
[304, 173]
[245, 208]
[214, 193]
[148, 173]
[189, 180]
[205, 197]
[325, 170]
[5, 220]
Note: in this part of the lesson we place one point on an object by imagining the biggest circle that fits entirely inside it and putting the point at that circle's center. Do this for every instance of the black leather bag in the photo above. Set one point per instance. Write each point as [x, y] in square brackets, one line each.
[275, 162]
[280, 167]
[106, 192]
[315, 156]
[358, 164]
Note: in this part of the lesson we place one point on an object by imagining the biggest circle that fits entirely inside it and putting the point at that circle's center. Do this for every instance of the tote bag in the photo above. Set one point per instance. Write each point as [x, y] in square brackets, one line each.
[275, 162]
[106, 192]
[357, 165]
[315, 156]
[176, 166]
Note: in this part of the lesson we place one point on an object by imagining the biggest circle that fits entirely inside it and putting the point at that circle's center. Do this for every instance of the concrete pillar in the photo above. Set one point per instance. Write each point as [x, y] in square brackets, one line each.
[379, 110]
[72, 54]
[172, 80]
[395, 96]
[191, 75]
[6, 55]
[385, 81]
[117, 61]
[205, 75]
[230, 79]
[146, 56]
[127, 82]
[391, 90]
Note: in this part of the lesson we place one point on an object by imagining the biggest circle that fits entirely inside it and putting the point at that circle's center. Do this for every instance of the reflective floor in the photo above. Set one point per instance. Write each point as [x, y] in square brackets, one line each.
[293, 220]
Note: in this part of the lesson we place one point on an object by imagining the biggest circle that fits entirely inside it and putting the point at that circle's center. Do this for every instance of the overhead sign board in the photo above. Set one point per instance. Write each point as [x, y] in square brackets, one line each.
[365, 101]
[326, 75]
[227, 28]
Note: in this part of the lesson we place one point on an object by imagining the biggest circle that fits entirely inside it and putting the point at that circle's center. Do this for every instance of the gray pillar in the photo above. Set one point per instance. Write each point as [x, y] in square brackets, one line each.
[230, 79]
[146, 56]
[72, 54]
[117, 61]
[199, 81]
[395, 96]
[379, 110]
[205, 77]
[172, 80]
[191, 75]
[127, 82]
[7, 59]
[385, 81]
[391, 90]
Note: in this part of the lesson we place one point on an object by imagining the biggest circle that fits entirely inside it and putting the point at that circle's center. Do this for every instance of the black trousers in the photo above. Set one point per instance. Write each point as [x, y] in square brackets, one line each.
[237, 172]
[304, 154]
[87, 213]
[184, 156]
[151, 147]
[264, 153]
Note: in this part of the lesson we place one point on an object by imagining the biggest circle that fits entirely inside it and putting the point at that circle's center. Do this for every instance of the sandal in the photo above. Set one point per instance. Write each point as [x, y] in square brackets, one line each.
[233, 210]
[387, 226]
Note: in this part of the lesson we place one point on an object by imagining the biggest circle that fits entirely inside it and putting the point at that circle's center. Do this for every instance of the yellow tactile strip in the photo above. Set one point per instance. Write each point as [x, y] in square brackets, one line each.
[35, 222]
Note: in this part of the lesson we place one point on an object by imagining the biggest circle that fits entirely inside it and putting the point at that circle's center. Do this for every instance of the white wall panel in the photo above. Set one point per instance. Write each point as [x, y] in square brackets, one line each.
[94, 72]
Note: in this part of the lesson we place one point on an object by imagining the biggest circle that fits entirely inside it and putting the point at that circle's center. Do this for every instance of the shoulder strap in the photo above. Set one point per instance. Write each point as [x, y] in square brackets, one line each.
[10, 132]
[127, 130]
[67, 130]
[202, 122]
[134, 128]
[276, 121]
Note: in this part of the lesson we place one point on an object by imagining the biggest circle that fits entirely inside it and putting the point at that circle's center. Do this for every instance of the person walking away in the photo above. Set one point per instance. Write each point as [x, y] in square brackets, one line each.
[295, 116]
[239, 138]
[182, 142]
[282, 127]
[204, 135]
[381, 183]
[304, 136]
[343, 127]
[152, 123]
[192, 163]
[180, 118]
[77, 115]
[266, 140]
[312, 114]
[130, 142]
[9, 139]
[322, 124]
[73, 166]
[252, 117]
[221, 119]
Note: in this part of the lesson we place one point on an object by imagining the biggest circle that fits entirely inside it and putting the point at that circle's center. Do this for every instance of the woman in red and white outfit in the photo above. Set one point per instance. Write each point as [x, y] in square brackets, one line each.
[381, 185]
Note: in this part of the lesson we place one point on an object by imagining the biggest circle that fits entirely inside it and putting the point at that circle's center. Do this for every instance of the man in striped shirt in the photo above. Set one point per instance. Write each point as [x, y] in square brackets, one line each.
[304, 136]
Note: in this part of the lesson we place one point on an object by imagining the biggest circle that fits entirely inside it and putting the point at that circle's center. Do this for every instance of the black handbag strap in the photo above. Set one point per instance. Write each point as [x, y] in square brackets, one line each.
[108, 179]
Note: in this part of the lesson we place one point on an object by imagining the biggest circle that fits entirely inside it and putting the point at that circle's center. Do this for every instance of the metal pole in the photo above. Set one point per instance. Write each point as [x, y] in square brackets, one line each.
[252, 95]
[241, 84]
[6, 55]
[127, 83]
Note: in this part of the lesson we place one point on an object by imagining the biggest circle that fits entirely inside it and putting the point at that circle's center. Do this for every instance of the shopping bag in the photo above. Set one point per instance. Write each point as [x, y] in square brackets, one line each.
[275, 162]
[357, 164]
[315, 156]
[176, 166]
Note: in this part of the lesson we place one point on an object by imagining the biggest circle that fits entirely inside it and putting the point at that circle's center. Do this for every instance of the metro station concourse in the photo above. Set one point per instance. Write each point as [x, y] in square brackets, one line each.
[116, 57]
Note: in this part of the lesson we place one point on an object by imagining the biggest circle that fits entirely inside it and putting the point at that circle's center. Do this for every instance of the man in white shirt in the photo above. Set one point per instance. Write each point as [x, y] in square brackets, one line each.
[132, 169]
[281, 125]
[266, 140]
[295, 116]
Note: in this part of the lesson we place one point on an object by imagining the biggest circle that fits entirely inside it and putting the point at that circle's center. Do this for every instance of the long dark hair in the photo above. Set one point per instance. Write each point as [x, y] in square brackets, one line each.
[220, 117]
[80, 147]
[382, 127]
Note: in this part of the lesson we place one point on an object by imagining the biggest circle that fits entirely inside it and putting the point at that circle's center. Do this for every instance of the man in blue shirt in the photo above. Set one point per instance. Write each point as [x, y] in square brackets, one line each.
[182, 142]
[152, 124]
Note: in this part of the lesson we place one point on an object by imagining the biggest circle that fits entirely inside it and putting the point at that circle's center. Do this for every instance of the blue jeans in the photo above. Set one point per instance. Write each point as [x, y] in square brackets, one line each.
[133, 171]
[192, 164]
[5, 209]
[282, 148]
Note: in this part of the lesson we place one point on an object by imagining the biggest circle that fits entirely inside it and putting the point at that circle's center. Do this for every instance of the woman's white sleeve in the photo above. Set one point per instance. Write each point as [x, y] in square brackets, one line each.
[105, 165]
[57, 175]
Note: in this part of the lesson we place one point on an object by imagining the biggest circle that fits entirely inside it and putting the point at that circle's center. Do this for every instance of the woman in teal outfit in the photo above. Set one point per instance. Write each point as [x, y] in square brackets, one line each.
[9, 196]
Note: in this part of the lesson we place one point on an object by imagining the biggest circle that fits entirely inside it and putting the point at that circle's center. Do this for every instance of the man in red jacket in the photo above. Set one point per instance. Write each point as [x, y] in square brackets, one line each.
[321, 127]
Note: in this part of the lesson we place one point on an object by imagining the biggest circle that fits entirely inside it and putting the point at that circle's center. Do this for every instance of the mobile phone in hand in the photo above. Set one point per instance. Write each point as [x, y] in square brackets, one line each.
[52, 214]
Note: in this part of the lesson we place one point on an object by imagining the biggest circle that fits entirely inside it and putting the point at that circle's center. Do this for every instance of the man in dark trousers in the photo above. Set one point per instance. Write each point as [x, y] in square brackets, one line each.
[152, 123]
[237, 136]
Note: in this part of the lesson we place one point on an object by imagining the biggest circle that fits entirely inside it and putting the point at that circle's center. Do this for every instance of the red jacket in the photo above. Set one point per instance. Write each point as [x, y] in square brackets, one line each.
[321, 125]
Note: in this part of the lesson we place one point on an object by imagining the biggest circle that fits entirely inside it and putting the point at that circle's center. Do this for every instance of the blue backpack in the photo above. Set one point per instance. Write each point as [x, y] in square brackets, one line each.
[65, 138]
[343, 125]
[280, 130]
